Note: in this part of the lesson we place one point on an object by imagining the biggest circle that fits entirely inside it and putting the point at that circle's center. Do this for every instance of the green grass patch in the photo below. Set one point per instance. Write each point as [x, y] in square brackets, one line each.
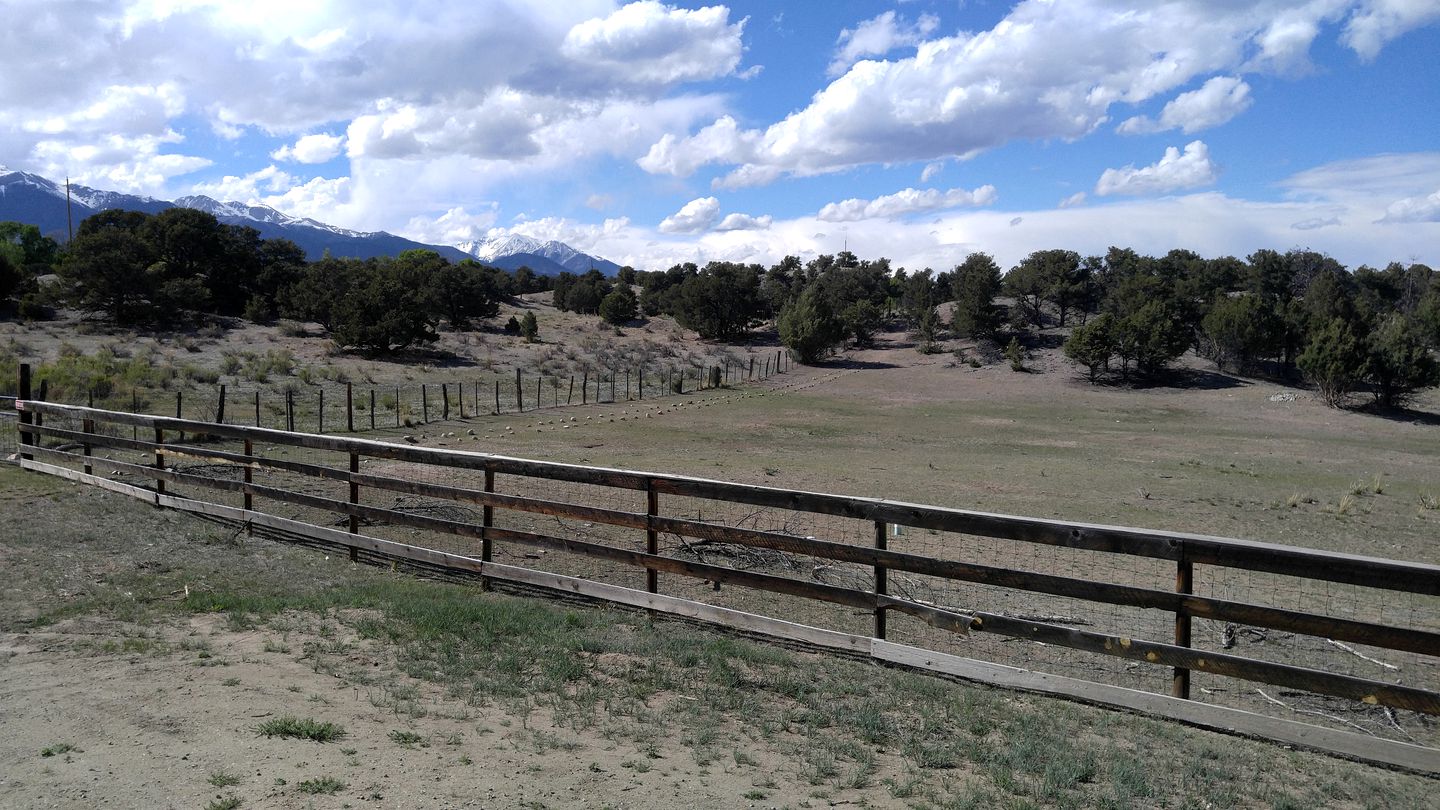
[325, 785]
[300, 728]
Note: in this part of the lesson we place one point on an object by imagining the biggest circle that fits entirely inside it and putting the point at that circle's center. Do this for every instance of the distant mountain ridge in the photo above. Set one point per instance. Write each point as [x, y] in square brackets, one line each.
[35, 200]
[547, 258]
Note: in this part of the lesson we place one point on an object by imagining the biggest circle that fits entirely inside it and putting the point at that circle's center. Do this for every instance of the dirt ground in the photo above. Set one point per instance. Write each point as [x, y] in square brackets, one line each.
[152, 727]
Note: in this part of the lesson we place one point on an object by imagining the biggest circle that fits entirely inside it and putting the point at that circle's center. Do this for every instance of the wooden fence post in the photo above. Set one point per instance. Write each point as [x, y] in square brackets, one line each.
[612, 385]
[487, 520]
[320, 418]
[752, 368]
[397, 406]
[585, 386]
[220, 407]
[640, 384]
[135, 408]
[627, 384]
[350, 408]
[372, 408]
[354, 499]
[159, 461]
[290, 410]
[497, 397]
[249, 477]
[26, 417]
[519, 393]
[87, 426]
[445, 402]
[1184, 583]
[424, 404]
[179, 399]
[460, 398]
[539, 403]
[570, 395]
[652, 537]
[257, 407]
[882, 579]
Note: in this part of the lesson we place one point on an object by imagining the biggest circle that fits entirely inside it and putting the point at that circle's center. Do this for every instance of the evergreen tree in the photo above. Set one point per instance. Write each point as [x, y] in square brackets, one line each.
[1092, 344]
[976, 283]
[1398, 363]
[529, 327]
[620, 306]
[1333, 362]
[809, 328]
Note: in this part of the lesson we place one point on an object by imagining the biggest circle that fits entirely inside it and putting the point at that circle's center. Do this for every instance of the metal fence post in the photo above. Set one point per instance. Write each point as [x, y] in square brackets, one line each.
[882, 580]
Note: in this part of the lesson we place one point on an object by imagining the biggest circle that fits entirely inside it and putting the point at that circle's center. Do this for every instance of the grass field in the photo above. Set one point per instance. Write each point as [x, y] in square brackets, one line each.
[628, 714]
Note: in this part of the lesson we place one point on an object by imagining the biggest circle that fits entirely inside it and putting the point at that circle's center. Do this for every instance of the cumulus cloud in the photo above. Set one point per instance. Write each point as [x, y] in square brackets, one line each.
[905, 201]
[930, 170]
[653, 43]
[249, 187]
[1214, 103]
[1073, 200]
[1173, 172]
[1046, 71]
[317, 148]
[1414, 209]
[744, 222]
[1376, 22]
[454, 226]
[877, 37]
[696, 215]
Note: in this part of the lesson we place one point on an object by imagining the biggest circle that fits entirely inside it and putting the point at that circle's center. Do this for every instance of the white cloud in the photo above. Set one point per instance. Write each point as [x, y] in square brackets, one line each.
[744, 222]
[930, 170]
[1073, 200]
[905, 201]
[1315, 223]
[1376, 22]
[1214, 103]
[248, 188]
[877, 37]
[317, 148]
[649, 42]
[1414, 209]
[1046, 71]
[696, 215]
[1173, 172]
[599, 202]
[454, 226]
[722, 141]
[319, 198]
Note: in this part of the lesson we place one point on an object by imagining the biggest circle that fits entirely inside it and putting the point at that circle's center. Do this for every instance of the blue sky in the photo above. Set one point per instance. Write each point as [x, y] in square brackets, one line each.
[651, 133]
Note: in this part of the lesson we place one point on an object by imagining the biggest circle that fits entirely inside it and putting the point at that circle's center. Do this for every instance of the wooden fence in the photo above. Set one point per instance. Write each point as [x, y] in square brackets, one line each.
[591, 526]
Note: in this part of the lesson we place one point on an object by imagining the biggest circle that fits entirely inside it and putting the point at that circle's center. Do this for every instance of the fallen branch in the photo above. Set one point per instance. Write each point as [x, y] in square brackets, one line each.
[1355, 726]
[1358, 654]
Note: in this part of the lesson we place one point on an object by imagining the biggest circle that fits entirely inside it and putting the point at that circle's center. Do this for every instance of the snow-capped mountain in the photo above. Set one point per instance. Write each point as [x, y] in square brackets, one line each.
[546, 258]
[35, 200]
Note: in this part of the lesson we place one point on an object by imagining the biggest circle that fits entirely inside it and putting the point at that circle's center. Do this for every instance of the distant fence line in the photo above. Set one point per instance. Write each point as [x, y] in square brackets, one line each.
[941, 588]
[352, 408]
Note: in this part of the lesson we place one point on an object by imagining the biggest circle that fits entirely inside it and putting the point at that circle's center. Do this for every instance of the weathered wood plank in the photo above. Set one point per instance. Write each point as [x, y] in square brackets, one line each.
[1347, 744]
[1234, 666]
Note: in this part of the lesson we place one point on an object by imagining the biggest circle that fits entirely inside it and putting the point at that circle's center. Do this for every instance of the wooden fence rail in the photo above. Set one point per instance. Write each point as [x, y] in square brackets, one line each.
[1187, 551]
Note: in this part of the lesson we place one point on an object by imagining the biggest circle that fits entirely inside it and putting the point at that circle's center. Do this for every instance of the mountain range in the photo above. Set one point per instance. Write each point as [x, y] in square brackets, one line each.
[35, 200]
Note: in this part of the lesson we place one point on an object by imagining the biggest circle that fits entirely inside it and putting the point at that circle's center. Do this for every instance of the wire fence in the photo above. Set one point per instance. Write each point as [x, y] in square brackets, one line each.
[333, 407]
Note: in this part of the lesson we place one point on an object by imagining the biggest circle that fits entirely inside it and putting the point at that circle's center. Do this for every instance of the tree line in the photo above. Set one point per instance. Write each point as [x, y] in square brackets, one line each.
[1129, 316]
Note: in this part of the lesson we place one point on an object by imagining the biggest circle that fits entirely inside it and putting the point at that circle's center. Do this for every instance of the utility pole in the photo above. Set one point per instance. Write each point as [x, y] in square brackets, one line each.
[69, 214]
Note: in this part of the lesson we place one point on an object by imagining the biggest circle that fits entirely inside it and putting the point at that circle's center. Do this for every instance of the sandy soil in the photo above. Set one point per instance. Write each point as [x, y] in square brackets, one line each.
[151, 726]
